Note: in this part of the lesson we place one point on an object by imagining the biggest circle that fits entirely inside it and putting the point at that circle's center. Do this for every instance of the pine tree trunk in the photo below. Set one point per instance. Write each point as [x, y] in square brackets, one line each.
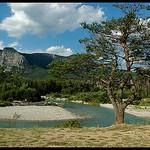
[118, 108]
[119, 115]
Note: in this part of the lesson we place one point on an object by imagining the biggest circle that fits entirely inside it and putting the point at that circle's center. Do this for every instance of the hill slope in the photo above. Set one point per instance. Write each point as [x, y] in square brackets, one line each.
[27, 65]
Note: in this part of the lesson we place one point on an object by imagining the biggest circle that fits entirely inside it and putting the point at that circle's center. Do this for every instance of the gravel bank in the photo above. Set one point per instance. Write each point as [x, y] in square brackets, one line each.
[39, 113]
[141, 111]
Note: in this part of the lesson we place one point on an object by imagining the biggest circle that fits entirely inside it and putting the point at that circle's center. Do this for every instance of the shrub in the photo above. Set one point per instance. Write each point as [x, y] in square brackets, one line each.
[5, 103]
[10, 99]
[70, 124]
[12, 122]
[147, 122]
[144, 103]
[94, 97]
[55, 95]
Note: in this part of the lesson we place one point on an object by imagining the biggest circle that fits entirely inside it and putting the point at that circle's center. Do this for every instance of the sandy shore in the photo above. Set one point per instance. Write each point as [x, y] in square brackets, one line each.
[141, 111]
[39, 113]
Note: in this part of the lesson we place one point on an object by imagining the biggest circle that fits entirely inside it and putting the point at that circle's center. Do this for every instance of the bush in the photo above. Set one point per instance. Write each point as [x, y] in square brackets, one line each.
[94, 97]
[70, 124]
[144, 103]
[5, 103]
[55, 95]
[10, 99]
[65, 96]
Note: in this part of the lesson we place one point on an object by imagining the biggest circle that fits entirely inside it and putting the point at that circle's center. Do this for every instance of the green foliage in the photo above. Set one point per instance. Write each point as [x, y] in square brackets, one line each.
[14, 87]
[110, 43]
[5, 103]
[70, 124]
[59, 67]
[55, 95]
[79, 65]
[75, 86]
[147, 122]
[144, 103]
[93, 97]
[34, 72]
[2, 74]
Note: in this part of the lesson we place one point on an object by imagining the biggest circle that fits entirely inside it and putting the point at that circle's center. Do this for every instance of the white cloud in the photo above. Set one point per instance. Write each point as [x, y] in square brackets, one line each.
[41, 18]
[59, 50]
[24, 51]
[1, 45]
[13, 44]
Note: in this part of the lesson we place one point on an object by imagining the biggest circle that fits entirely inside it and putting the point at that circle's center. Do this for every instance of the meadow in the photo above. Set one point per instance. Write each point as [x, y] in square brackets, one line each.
[127, 135]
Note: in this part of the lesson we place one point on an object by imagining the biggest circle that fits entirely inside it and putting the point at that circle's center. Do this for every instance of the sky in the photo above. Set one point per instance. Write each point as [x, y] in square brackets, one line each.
[50, 27]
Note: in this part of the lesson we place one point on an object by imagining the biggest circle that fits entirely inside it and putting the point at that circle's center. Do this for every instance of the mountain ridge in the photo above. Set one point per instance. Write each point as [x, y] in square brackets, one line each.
[25, 64]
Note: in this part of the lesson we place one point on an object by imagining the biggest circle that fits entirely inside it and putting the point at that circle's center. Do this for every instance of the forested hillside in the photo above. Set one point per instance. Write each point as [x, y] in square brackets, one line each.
[31, 66]
[14, 87]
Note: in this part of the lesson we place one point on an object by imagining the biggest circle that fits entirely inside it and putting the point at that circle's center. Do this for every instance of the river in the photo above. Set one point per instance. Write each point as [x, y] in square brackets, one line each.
[93, 116]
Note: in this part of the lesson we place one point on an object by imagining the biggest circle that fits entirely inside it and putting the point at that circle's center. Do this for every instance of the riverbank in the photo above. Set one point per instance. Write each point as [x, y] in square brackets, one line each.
[41, 113]
[36, 113]
[140, 111]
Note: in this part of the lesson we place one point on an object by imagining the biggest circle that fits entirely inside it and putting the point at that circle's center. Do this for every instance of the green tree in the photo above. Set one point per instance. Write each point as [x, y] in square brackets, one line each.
[2, 74]
[142, 80]
[109, 45]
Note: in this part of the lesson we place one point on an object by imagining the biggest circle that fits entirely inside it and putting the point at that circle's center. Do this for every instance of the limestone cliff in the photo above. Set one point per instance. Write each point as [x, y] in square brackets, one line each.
[10, 57]
[27, 65]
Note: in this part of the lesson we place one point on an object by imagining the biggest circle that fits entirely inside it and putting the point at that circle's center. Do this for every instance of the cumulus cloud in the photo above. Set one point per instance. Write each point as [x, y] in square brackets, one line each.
[43, 18]
[1, 45]
[13, 44]
[59, 50]
[28, 51]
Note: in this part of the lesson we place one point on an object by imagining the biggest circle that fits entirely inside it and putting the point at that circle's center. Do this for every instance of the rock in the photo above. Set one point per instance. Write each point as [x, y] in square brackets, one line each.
[23, 63]
[21, 104]
[10, 57]
[42, 103]
[60, 104]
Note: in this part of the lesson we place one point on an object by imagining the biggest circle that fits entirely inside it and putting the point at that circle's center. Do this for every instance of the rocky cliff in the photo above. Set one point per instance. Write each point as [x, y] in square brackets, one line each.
[10, 57]
[26, 65]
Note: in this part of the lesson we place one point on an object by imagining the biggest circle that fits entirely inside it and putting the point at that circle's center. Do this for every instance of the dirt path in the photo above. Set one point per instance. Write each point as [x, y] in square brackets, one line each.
[114, 136]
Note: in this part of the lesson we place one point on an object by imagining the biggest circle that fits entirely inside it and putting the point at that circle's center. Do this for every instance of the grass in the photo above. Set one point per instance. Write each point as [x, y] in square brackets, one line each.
[113, 136]
[92, 139]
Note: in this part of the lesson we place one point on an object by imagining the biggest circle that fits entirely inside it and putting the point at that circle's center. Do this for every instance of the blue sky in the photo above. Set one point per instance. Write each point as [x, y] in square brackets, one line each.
[50, 27]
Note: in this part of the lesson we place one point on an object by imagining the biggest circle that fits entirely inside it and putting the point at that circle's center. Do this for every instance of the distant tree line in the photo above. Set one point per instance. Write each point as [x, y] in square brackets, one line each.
[15, 87]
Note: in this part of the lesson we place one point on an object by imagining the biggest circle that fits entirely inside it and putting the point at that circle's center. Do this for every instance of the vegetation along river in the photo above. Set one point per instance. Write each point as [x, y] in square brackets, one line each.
[94, 116]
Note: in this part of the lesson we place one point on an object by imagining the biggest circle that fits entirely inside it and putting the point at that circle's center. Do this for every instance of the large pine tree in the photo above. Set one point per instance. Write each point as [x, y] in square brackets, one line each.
[110, 45]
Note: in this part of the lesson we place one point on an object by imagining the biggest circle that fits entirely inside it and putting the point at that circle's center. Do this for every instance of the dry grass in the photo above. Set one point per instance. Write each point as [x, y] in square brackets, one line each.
[114, 136]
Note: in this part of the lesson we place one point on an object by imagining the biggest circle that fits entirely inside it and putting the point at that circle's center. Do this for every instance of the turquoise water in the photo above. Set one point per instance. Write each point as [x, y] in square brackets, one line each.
[99, 116]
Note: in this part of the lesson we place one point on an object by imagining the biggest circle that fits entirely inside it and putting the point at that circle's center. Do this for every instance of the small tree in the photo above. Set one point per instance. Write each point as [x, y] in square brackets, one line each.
[111, 43]
[2, 74]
